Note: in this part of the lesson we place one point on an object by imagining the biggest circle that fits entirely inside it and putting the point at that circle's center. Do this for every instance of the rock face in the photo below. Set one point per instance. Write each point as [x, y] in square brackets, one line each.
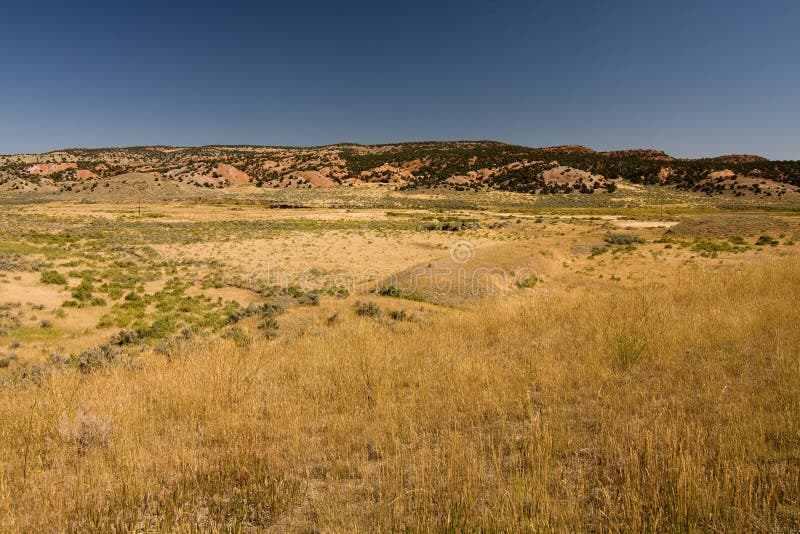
[44, 169]
[315, 178]
[232, 175]
[84, 174]
[567, 175]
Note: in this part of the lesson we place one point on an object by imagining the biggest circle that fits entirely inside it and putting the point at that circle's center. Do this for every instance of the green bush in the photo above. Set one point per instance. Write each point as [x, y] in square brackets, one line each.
[237, 335]
[6, 360]
[712, 248]
[337, 291]
[125, 337]
[83, 291]
[630, 350]
[53, 277]
[623, 239]
[367, 309]
[399, 315]
[389, 291]
[270, 326]
[308, 299]
[528, 282]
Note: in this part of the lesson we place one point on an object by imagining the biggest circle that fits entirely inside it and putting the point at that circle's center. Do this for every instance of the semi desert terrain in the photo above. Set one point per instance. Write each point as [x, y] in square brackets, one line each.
[422, 337]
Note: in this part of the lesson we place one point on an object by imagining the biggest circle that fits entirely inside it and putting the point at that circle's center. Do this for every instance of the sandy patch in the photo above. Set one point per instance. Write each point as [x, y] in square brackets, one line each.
[644, 224]
[726, 173]
[29, 290]
[84, 174]
[567, 175]
[232, 174]
[43, 169]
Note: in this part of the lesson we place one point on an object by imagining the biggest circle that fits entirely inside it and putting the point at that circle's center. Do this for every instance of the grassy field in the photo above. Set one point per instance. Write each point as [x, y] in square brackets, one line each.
[425, 364]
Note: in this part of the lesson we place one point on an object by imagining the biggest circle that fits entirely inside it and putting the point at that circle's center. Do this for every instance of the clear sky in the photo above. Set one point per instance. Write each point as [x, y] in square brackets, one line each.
[693, 78]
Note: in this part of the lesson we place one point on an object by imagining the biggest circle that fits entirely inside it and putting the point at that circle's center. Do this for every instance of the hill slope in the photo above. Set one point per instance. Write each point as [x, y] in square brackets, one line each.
[457, 165]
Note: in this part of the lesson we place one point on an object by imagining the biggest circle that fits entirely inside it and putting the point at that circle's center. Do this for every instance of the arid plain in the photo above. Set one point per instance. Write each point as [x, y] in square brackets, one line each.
[365, 358]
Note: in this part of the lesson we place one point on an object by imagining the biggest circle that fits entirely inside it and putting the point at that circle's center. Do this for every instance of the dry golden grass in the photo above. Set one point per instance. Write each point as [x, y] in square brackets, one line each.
[669, 407]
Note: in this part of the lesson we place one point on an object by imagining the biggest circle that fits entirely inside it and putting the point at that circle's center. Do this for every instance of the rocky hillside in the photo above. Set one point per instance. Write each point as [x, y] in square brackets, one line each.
[457, 165]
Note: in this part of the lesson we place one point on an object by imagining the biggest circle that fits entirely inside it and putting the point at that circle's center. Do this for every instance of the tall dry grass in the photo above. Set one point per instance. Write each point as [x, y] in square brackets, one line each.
[672, 407]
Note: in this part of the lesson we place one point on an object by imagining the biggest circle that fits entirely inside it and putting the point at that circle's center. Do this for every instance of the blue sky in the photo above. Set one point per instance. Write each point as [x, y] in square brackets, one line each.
[692, 78]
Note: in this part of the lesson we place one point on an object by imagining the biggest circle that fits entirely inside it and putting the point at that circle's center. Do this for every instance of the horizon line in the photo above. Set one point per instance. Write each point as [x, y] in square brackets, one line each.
[371, 145]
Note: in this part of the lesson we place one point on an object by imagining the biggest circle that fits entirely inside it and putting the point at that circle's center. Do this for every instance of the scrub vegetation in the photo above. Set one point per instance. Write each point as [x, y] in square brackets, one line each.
[380, 359]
